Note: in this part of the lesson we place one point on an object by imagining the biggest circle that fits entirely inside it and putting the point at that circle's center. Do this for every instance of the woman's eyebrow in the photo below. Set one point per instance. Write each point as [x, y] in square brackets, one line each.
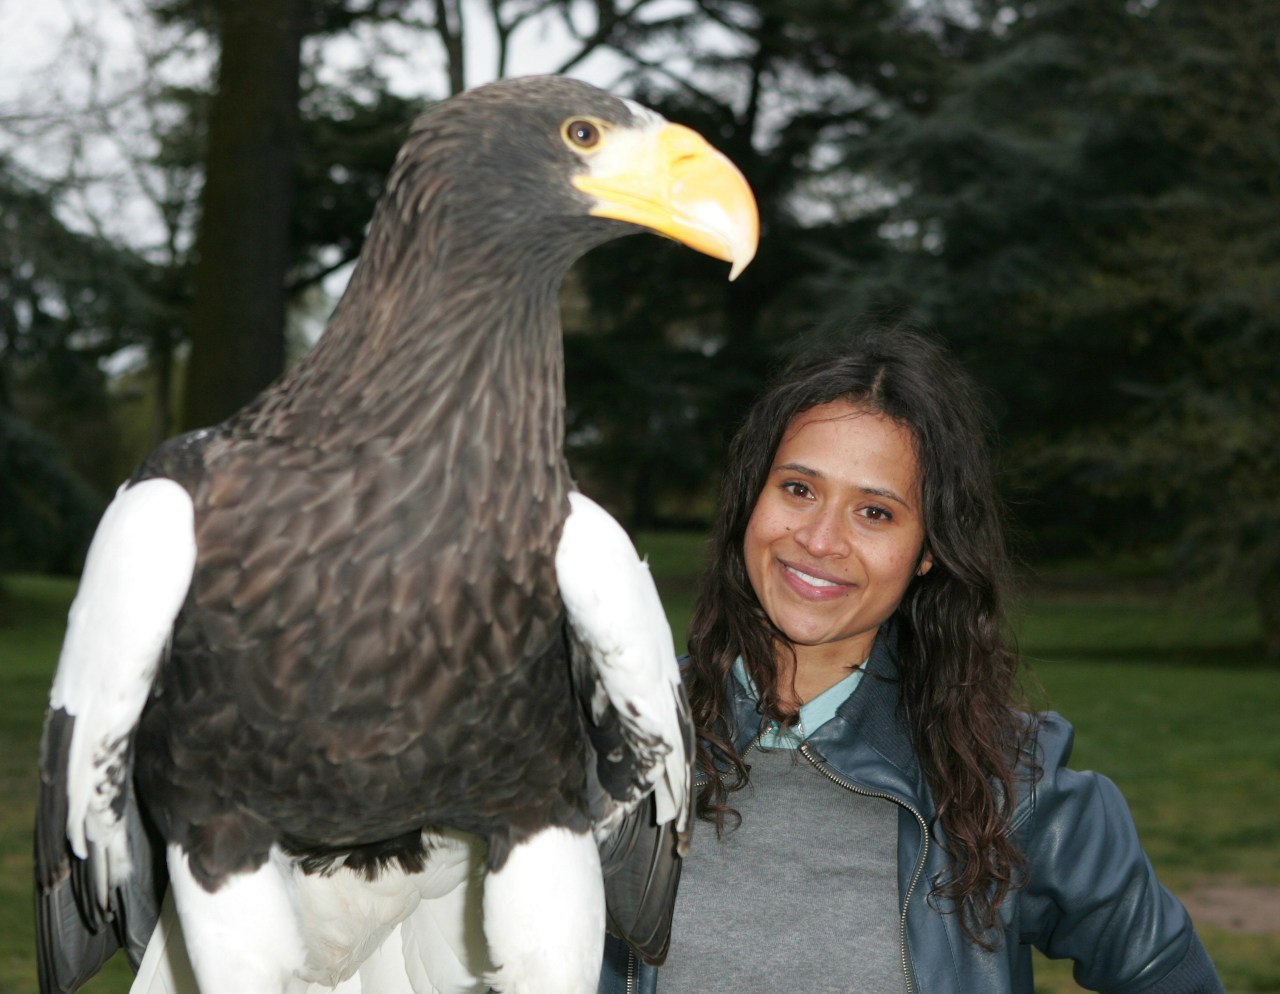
[886, 494]
[795, 467]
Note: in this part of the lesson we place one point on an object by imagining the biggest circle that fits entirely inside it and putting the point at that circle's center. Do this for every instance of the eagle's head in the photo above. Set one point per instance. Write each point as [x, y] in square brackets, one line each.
[560, 165]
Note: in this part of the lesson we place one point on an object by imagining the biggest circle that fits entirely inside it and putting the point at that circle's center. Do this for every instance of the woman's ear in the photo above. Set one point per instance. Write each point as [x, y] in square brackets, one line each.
[926, 563]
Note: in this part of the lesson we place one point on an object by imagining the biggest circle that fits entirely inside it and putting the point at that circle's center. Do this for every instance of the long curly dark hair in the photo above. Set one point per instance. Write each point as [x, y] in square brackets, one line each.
[959, 667]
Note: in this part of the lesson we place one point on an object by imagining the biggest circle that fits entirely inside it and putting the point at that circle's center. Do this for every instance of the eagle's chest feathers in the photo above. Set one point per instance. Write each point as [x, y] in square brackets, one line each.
[330, 590]
[366, 566]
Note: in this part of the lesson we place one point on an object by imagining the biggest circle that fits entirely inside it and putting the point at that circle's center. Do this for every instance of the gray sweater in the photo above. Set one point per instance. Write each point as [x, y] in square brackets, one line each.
[773, 908]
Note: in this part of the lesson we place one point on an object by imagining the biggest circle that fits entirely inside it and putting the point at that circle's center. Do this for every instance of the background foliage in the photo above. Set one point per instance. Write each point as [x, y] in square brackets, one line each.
[1079, 195]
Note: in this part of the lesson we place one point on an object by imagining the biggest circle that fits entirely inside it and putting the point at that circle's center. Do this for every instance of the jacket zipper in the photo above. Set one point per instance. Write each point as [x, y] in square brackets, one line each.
[700, 778]
[924, 851]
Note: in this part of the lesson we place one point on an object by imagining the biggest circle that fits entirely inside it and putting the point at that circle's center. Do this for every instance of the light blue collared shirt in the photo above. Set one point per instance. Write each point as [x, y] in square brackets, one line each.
[813, 714]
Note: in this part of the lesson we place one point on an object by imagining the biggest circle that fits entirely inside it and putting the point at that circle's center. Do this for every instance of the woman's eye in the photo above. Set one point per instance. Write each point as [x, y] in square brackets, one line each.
[797, 489]
[877, 513]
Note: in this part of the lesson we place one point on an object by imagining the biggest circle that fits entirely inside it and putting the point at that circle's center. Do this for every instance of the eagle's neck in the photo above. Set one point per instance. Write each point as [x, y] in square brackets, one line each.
[462, 346]
[435, 406]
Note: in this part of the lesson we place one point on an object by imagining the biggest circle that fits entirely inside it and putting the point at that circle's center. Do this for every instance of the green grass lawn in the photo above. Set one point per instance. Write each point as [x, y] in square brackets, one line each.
[1169, 698]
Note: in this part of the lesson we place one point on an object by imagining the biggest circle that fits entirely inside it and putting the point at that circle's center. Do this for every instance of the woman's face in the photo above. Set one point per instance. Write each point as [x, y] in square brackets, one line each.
[836, 533]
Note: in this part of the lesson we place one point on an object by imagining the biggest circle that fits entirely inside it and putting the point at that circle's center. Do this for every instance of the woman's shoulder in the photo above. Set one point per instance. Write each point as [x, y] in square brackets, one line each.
[1044, 752]
[1050, 737]
[1050, 789]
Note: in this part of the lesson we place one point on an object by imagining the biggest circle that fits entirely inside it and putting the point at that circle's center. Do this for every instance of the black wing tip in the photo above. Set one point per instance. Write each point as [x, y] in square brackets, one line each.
[71, 941]
[69, 951]
[642, 865]
[76, 931]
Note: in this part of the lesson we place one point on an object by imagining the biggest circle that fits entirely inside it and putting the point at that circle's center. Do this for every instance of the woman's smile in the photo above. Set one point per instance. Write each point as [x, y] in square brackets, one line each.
[811, 582]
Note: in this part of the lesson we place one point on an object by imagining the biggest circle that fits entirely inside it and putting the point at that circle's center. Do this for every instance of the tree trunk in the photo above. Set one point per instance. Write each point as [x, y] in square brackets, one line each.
[238, 315]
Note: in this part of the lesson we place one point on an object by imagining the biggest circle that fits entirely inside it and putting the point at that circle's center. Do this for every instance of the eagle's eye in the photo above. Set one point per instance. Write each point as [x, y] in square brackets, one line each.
[581, 133]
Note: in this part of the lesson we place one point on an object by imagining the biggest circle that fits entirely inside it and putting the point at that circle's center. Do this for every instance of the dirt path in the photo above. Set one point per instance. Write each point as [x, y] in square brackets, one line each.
[1234, 906]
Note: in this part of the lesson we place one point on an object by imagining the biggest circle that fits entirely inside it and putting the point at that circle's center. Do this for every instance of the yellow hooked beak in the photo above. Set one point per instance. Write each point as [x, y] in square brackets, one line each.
[670, 180]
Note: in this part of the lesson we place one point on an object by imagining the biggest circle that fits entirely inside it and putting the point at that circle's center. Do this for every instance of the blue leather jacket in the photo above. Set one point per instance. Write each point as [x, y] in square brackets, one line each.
[1090, 892]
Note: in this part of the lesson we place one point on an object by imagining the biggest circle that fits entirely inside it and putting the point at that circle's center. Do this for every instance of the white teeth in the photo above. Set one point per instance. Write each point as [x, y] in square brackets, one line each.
[812, 580]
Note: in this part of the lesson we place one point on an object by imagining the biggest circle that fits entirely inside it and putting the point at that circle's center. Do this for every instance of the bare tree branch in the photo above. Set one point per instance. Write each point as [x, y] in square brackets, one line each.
[608, 20]
[449, 26]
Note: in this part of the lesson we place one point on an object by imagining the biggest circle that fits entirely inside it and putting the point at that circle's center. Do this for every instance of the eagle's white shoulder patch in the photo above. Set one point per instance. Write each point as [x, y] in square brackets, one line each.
[617, 617]
[136, 576]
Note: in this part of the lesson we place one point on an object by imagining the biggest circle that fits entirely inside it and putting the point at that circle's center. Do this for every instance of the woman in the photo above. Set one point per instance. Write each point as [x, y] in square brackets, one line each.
[855, 690]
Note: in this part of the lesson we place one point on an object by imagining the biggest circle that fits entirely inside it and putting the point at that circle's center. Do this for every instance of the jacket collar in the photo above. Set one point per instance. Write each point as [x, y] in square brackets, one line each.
[867, 742]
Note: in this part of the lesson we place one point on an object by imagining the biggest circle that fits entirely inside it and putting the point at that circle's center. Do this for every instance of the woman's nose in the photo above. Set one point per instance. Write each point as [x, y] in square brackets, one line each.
[826, 533]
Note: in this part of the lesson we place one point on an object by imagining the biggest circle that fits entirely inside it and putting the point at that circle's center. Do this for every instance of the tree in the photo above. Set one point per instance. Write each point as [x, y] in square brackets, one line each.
[64, 303]
[242, 254]
[1198, 273]
[1105, 258]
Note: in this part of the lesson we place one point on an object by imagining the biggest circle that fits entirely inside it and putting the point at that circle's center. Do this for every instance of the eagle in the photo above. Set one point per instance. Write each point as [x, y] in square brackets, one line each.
[358, 673]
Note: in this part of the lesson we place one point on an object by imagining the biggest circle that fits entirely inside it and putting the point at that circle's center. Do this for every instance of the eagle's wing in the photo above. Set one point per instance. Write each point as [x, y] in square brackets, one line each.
[626, 672]
[95, 886]
[621, 632]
